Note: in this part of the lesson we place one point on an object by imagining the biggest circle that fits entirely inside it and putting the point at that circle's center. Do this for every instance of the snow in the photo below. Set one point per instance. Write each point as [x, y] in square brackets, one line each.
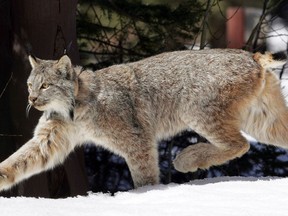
[277, 35]
[225, 196]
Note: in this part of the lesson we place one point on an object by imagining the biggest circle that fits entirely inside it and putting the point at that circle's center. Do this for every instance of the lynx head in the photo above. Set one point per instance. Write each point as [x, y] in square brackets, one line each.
[51, 86]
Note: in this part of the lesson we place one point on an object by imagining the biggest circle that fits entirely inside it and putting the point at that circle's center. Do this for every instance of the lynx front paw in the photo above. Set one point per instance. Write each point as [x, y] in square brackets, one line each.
[6, 179]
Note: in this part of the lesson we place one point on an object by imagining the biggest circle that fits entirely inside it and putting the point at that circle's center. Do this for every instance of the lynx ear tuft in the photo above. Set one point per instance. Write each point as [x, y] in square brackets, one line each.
[33, 61]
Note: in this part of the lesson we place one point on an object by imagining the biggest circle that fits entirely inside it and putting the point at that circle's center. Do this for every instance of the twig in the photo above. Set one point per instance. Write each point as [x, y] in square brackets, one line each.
[6, 85]
[10, 135]
[204, 23]
[257, 28]
[262, 17]
[276, 35]
[222, 14]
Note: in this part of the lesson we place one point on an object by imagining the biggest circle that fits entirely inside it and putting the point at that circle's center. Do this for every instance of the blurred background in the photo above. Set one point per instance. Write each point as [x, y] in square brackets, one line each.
[100, 33]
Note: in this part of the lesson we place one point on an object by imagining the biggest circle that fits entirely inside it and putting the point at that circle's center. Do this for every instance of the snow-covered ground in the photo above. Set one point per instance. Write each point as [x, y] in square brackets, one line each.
[218, 197]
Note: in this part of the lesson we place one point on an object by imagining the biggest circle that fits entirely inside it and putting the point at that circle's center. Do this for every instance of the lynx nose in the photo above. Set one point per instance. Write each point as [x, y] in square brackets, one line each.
[32, 99]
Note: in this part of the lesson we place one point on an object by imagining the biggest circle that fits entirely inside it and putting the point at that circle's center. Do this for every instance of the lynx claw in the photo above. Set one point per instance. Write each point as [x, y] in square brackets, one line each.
[3, 176]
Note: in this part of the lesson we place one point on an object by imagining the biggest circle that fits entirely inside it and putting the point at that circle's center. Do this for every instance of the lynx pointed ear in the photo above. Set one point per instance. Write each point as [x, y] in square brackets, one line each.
[64, 67]
[33, 61]
[63, 62]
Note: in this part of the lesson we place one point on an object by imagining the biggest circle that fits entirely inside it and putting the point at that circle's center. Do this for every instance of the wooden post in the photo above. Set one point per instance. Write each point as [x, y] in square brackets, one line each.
[46, 28]
[235, 27]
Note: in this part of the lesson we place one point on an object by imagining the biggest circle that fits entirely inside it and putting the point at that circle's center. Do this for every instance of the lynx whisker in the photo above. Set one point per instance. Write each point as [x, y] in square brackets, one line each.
[28, 109]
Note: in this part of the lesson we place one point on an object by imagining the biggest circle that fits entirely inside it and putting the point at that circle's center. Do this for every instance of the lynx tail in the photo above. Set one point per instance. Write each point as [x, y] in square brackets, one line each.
[266, 60]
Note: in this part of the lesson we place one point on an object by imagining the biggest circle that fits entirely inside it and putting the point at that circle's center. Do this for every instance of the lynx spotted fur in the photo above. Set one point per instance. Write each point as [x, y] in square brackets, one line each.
[128, 108]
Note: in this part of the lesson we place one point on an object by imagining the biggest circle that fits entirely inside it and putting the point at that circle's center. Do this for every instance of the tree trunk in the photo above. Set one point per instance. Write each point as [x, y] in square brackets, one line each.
[45, 28]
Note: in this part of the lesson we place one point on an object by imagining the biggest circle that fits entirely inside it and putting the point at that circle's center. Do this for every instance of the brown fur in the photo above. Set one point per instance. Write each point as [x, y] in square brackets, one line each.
[128, 108]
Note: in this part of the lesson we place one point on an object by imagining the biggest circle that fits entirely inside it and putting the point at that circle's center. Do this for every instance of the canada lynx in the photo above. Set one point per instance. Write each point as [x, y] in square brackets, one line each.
[128, 108]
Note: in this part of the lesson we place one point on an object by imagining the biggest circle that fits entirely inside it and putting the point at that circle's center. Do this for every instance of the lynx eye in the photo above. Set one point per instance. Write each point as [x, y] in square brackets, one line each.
[45, 86]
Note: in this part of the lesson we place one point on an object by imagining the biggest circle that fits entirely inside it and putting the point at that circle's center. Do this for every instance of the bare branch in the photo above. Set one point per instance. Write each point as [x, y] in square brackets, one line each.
[223, 15]
[257, 29]
[204, 24]
[214, 35]
[10, 135]
[6, 85]
[111, 45]
[276, 35]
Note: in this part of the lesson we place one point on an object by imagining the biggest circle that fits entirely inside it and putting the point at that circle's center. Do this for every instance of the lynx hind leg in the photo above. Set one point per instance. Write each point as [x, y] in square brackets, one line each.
[226, 143]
